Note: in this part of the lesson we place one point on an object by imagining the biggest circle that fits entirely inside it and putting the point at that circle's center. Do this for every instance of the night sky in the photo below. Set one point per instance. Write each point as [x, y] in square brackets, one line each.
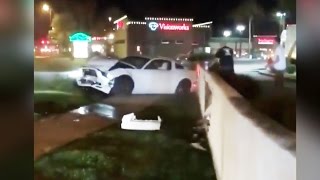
[200, 10]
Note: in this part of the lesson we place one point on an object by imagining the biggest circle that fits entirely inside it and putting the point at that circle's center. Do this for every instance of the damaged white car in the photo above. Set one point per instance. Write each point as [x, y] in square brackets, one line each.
[139, 75]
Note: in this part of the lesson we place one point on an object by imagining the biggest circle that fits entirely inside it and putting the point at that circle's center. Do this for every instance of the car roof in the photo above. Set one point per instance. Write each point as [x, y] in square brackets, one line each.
[163, 58]
[144, 57]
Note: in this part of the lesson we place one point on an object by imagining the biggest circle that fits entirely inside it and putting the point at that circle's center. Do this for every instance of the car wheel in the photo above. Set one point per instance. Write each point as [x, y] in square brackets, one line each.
[184, 87]
[123, 85]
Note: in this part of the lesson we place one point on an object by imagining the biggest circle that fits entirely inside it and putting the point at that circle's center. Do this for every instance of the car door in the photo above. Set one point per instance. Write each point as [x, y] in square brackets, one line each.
[156, 76]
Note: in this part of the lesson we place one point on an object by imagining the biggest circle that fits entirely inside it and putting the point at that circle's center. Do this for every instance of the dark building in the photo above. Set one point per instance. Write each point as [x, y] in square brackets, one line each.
[156, 36]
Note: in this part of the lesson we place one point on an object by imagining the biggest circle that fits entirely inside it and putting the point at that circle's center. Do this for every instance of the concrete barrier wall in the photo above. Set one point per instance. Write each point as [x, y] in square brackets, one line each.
[245, 144]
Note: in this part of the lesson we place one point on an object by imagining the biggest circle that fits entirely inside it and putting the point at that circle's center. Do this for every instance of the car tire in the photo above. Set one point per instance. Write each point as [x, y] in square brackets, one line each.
[123, 85]
[184, 87]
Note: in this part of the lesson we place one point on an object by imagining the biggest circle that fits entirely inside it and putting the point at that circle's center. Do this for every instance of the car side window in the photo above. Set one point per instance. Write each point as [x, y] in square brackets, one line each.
[159, 65]
[89, 72]
[178, 66]
[120, 65]
[138, 62]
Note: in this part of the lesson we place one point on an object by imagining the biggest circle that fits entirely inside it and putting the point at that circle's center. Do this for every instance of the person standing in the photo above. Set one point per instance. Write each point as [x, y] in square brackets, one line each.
[278, 65]
[225, 55]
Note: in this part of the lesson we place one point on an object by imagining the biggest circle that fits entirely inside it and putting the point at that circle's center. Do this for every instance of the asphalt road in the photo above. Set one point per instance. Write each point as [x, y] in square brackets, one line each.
[251, 67]
[241, 66]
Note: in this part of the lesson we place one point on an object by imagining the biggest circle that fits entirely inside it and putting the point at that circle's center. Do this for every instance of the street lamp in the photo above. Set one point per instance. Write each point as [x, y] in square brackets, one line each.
[226, 33]
[47, 8]
[240, 28]
[281, 16]
[111, 36]
[110, 19]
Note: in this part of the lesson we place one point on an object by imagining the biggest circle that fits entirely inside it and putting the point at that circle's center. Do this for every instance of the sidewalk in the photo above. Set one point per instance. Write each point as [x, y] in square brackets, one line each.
[55, 131]
[286, 75]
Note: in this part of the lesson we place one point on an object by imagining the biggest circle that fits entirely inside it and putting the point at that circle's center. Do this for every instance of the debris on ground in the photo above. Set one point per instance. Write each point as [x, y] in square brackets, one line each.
[130, 122]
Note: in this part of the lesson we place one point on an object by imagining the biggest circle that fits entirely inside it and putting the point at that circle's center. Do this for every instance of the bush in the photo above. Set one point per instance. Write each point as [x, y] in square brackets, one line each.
[291, 69]
[201, 57]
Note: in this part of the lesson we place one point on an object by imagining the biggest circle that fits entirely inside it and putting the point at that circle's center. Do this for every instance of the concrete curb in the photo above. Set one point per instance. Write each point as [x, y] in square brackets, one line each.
[271, 75]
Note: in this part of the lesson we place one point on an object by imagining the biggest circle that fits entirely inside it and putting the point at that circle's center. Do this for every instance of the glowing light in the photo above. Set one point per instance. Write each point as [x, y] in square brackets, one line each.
[80, 37]
[46, 7]
[136, 22]
[226, 33]
[138, 48]
[202, 24]
[80, 49]
[97, 48]
[112, 49]
[167, 19]
[240, 28]
[110, 19]
[111, 36]
[120, 19]
[168, 26]
[266, 41]
[207, 50]
[279, 14]
[120, 25]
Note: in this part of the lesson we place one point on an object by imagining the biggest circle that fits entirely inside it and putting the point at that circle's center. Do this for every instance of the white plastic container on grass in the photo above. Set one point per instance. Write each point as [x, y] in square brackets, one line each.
[130, 122]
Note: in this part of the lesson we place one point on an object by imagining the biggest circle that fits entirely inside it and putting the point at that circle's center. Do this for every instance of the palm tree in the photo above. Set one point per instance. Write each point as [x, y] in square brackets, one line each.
[247, 11]
[249, 8]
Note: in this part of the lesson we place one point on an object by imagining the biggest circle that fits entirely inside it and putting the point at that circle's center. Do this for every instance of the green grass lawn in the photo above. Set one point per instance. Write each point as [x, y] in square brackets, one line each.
[117, 154]
[57, 64]
[57, 96]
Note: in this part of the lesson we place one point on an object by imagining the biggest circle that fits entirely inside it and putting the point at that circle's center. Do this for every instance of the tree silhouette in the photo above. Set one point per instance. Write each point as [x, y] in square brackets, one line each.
[246, 10]
[63, 25]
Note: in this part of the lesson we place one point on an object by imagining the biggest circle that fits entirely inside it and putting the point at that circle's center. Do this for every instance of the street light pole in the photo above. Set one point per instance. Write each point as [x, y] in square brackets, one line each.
[282, 22]
[48, 9]
[250, 35]
[50, 16]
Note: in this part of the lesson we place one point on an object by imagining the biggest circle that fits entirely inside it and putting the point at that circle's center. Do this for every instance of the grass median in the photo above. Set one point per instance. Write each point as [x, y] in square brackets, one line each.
[57, 96]
[57, 64]
[116, 154]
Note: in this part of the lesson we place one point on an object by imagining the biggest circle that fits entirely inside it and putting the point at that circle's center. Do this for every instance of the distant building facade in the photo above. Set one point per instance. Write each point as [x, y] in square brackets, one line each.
[156, 36]
[239, 45]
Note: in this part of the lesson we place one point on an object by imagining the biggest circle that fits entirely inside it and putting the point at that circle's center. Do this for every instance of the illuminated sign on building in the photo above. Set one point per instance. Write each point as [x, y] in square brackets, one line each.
[266, 41]
[169, 26]
[120, 25]
[80, 37]
[80, 42]
[99, 38]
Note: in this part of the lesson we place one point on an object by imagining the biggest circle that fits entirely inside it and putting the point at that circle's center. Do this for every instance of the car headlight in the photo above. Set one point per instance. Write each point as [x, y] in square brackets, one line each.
[111, 83]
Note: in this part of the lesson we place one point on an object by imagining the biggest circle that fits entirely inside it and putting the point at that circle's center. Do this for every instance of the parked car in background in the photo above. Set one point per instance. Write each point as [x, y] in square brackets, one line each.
[139, 75]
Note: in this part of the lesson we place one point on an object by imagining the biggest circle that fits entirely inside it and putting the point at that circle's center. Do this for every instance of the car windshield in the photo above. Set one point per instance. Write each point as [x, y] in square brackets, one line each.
[137, 62]
[103, 73]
